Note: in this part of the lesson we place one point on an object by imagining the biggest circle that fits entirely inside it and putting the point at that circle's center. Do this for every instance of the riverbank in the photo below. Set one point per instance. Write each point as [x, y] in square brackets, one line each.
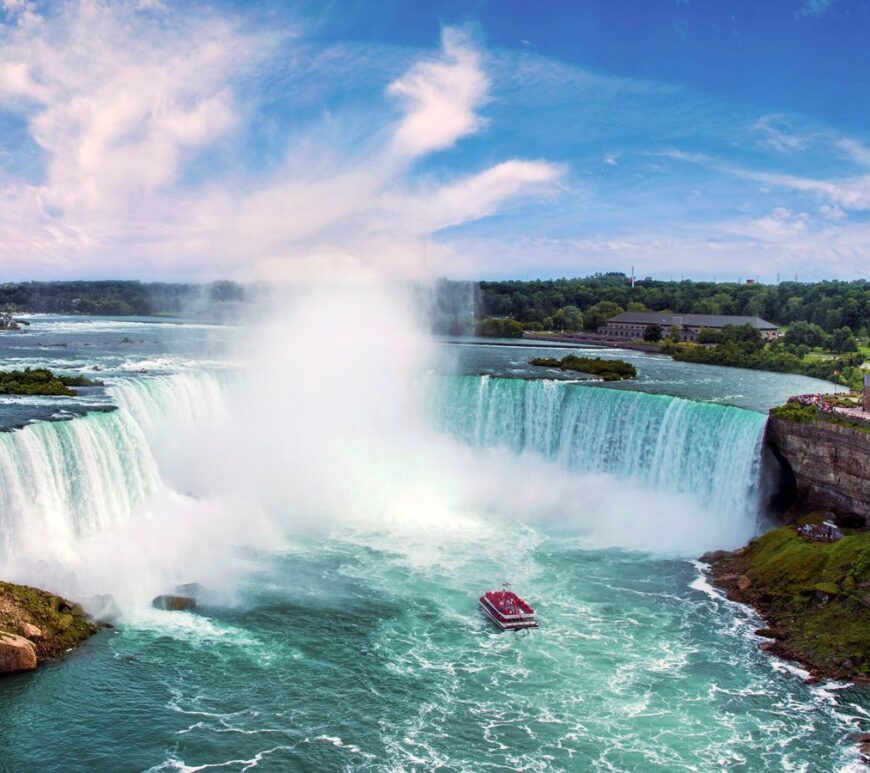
[595, 339]
[36, 625]
[814, 596]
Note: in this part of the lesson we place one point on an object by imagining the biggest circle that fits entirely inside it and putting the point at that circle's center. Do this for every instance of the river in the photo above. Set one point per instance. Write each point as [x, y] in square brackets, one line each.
[344, 509]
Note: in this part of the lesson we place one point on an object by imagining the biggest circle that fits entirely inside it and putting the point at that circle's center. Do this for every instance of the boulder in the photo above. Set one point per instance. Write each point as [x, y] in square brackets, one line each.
[769, 633]
[713, 556]
[31, 631]
[172, 603]
[743, 582]
[16, 654]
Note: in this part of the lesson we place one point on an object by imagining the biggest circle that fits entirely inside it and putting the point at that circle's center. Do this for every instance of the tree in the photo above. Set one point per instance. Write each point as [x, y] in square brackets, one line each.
[707, 335]
[596, 316]
[744, 338]
[499, 328]
[675, 333]
[843, 340]
[652, 333]
[572, 318]
[804, 333]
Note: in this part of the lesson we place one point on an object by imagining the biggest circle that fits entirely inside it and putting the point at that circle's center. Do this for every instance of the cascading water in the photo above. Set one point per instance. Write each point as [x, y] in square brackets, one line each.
[665, 443]
[64, 480]
[60, 481]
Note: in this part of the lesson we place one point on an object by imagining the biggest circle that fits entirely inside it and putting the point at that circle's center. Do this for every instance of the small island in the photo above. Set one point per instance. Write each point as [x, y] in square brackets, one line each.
[41, 381]
[606, 370]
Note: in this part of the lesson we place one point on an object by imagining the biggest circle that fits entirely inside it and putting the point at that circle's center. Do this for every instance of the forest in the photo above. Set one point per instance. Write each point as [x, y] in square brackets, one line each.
[116, 298]
[586, 303]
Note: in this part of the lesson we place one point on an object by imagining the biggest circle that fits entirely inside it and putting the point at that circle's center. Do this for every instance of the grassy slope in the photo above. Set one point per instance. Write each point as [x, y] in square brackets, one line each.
[811, 592]
[63, 624]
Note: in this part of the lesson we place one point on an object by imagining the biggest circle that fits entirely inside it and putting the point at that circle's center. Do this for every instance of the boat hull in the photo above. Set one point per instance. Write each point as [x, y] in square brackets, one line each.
[507, 624]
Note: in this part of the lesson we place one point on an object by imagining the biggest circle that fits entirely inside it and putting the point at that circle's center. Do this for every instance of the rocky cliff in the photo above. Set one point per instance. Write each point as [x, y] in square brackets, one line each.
[826, 465]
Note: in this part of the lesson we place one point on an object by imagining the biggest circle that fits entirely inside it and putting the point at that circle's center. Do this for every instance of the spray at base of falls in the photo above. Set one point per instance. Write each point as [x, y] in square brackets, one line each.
[321, 433]
[709, 451]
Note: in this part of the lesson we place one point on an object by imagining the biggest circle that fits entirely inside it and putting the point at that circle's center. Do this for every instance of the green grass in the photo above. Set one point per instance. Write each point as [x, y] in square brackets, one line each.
[63, 624]
[812, 591]
[801, 414]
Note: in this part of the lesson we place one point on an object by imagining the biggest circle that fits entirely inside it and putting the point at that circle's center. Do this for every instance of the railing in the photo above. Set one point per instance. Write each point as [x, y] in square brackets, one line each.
[822, 403]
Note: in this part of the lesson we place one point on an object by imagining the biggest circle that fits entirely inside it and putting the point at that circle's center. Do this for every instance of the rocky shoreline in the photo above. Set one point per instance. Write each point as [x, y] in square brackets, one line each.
[814, 597]
[36, 625]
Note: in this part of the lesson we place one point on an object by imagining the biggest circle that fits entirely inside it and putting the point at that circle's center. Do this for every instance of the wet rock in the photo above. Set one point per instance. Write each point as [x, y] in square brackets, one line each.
[768, 646]
[713, 556]
[31, 631]
[173, 603]
[16, 654]
[729, 578]
[769, 633]
[743, 582]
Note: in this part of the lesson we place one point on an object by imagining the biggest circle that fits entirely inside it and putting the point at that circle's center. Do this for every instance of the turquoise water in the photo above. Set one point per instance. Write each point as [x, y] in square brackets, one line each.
[342, 657]
[350, 640]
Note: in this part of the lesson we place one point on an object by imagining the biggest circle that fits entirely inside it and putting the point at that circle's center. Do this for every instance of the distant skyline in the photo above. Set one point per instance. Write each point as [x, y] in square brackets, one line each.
[507, 139]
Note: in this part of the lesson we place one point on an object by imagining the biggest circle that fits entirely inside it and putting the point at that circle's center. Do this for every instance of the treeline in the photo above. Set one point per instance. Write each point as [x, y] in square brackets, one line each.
[586, 303]
[741, 346]
[115, 298]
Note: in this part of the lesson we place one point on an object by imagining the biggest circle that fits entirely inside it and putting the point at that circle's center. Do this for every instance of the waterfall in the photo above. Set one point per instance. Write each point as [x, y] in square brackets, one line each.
[67, 479]
[709, 451]
[60, 481]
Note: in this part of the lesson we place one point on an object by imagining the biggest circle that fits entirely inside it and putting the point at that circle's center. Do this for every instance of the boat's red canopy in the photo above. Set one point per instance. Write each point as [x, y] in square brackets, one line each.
[508, 603]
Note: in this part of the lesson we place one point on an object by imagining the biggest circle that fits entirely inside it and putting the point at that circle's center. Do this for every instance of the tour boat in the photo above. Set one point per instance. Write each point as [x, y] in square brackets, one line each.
[507, 610]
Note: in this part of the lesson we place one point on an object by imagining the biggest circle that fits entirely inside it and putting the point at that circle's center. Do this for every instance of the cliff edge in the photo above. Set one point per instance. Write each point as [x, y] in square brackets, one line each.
[826, 462]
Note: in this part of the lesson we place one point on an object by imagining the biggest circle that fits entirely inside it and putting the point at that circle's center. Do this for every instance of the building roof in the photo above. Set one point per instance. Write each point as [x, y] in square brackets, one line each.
[690, 320]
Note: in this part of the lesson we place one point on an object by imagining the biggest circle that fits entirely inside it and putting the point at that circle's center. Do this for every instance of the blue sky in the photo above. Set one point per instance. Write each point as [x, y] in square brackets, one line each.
[469, 139]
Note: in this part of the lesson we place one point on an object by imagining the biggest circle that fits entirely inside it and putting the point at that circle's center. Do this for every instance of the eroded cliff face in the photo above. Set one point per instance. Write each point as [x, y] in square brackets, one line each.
[830, 463]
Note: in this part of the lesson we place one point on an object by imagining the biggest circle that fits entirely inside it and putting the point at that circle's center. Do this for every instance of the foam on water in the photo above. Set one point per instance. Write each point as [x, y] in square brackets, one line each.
[401, 503]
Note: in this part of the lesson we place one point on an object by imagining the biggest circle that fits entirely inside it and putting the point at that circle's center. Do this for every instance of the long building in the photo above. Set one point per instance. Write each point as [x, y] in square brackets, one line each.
[630, 325]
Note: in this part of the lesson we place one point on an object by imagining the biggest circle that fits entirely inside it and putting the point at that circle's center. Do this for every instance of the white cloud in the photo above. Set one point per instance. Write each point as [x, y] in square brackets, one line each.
[853, 149]
[850, 193]
[441, 97]
[775, 132]
[119, 101]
